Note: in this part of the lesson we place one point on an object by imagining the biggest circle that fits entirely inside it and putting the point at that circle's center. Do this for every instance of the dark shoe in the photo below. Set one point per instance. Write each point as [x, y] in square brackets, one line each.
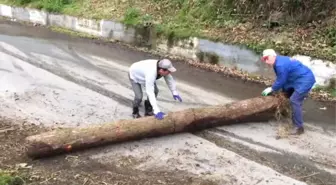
[148, 108]
[297, 131]
[149, 114]
[135, 116]
[135, 113]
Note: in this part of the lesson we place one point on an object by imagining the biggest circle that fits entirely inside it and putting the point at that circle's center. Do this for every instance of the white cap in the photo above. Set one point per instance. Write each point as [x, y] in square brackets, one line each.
[269, 52]
[166, 64]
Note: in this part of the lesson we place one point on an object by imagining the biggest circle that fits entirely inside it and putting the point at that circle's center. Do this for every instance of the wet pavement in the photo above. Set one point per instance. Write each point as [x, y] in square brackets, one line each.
[53, 79]
[320, 113]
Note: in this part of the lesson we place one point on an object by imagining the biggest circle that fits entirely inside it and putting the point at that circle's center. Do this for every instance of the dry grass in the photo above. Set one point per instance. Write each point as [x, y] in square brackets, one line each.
[284, 128]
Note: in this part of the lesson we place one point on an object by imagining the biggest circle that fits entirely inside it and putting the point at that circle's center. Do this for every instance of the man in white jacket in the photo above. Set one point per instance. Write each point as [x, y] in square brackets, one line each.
[145, 73]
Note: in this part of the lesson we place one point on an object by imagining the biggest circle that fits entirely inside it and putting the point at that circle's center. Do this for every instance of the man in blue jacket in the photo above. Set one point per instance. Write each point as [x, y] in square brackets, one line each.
[294, 78]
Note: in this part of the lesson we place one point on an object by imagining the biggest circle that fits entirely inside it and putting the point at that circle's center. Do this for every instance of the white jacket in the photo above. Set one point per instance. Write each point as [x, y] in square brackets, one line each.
[145, 73]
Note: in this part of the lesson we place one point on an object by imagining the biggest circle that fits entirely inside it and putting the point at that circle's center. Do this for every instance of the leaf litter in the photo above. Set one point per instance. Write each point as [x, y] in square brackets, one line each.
[75, 168]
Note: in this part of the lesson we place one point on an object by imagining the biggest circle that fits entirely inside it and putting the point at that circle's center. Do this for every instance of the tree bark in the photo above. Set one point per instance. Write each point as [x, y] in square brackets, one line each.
[71, 139]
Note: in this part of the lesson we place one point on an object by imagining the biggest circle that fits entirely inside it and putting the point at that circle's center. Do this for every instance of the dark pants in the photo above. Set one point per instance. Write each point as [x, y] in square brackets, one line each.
[138, 96]
[296, 100]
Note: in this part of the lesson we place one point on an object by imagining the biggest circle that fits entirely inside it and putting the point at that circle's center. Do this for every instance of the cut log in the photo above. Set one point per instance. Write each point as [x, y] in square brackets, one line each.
[71, 139]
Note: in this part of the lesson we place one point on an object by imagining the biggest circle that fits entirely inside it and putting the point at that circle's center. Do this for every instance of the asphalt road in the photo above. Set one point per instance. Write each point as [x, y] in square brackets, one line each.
[52, 79]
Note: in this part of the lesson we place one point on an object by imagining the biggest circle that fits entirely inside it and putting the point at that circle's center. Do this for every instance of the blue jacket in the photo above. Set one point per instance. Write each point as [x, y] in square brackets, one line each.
[292, 73]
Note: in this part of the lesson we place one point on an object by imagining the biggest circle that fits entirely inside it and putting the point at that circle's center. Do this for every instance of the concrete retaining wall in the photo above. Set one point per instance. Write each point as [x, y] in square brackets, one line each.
[114, 30]
[101, 28]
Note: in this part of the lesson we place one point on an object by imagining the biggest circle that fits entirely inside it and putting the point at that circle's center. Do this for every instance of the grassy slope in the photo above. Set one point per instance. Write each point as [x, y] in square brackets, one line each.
[198, 18]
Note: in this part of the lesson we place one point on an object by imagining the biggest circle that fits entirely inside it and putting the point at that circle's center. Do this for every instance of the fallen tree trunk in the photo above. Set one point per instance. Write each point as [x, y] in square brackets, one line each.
[71, 139]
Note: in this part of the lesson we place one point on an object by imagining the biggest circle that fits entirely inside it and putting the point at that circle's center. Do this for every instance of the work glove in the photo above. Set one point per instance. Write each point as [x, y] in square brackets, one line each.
[177, 97]
[159, 115]
[267, 91]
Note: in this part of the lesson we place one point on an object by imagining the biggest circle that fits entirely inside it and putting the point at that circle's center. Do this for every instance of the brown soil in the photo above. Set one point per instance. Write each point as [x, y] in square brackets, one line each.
[73, 169]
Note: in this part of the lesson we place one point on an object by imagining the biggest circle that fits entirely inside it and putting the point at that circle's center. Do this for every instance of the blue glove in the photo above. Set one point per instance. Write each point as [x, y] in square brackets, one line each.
[159, 115]
[177, 97]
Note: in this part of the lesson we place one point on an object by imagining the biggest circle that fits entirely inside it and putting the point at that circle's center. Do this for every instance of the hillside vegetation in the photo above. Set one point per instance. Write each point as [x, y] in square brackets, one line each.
[290, 26]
